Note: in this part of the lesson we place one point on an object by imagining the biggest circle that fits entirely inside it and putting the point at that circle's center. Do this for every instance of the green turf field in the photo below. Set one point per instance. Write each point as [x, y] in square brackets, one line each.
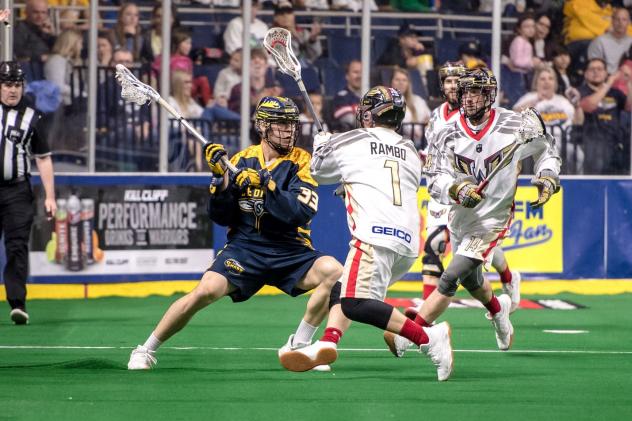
[69, 364]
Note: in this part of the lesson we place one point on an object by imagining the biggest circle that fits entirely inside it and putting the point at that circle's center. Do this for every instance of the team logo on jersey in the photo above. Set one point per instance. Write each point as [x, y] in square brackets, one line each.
[233, 266]
[252, 202]
[479, 148]
[467, 165]
[15, 134]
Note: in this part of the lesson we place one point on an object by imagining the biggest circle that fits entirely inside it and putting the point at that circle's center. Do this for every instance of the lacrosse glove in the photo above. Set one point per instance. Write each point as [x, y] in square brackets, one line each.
[214, 153]
[548, 183]
[248, 177]
[463, 192]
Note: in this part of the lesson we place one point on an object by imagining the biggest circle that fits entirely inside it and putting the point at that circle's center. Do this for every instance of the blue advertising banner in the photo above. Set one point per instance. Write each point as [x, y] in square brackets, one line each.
[584, 232]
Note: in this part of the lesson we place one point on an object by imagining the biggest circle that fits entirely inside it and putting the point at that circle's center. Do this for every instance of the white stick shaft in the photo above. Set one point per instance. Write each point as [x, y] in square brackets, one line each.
[308, 102]
[193, 131]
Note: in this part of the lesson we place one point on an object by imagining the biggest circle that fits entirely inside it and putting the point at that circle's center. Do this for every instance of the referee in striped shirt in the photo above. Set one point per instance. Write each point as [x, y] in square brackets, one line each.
[21, 139]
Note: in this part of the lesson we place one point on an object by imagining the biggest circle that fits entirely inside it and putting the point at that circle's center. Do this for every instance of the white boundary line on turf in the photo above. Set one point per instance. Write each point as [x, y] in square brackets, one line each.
[210, 348]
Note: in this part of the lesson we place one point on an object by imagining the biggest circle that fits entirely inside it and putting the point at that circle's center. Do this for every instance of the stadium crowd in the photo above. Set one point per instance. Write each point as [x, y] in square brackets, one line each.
[571, 60]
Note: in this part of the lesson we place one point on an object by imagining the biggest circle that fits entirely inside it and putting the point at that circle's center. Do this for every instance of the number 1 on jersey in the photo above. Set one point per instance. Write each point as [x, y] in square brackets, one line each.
[397, 191]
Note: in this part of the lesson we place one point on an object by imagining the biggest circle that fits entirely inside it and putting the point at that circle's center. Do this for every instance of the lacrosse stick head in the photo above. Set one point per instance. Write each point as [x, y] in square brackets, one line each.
[278, 42]
[132, 89]
[531, 127]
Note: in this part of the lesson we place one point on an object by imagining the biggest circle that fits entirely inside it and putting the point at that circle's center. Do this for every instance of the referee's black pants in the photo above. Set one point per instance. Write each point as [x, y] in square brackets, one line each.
[16, 218]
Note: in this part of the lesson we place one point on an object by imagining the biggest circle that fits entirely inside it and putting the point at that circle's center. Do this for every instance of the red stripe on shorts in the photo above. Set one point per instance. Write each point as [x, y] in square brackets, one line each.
[502, 233]
[353, 272]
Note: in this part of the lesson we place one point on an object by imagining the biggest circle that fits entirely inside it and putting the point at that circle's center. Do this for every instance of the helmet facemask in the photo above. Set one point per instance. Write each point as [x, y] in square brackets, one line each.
[480, 84]
[451, 72]
[281, 135]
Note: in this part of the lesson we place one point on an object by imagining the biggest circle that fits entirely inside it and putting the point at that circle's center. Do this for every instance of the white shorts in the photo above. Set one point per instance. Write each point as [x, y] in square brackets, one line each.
[478, 245]
[437, 214]
[370, 270]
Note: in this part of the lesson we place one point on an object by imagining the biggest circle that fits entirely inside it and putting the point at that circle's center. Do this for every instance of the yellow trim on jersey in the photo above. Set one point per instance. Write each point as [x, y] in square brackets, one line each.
[298, 156]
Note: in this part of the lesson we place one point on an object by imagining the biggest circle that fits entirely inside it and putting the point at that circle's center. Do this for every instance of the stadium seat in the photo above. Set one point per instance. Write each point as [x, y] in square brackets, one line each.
[209, 70]
[333, 76]
[310, 77]
[343, 49]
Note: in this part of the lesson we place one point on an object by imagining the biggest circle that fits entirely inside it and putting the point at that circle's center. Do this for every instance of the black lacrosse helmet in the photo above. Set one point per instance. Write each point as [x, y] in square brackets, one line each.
[277, 109]
[11, 71]
[482, 80]
[383, 106]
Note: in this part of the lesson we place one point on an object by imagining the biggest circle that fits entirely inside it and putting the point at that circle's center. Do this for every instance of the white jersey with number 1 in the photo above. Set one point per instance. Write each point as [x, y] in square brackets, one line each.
[380, 172]
[441, 117]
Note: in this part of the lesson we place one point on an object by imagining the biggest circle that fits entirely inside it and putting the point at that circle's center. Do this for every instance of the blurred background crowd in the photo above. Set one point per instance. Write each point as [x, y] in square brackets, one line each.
[571, 60]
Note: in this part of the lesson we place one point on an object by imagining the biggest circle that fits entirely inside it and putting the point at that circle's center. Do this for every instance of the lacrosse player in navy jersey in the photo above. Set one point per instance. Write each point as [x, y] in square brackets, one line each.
[457, 162]
[267, 207]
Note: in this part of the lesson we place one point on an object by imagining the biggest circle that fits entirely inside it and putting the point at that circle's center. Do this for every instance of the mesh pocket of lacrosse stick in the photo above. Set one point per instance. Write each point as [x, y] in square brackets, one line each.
[278, 42]
[132, 89]
[532, 125]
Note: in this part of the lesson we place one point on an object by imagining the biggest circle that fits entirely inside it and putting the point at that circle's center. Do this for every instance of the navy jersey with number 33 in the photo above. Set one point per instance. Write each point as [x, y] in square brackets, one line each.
[264, 217]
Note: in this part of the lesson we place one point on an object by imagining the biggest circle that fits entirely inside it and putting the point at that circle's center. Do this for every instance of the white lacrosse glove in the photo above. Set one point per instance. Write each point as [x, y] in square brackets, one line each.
[321, 138]
[463, 192]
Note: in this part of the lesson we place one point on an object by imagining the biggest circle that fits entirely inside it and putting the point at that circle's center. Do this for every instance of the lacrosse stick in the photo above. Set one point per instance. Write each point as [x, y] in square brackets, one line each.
[532, 127]
[278, 42]
[133, 90]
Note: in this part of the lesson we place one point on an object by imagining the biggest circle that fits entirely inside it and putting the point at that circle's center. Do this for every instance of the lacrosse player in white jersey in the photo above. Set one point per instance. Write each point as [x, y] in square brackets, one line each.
[380, 173]
[437, 234]
[461, 158]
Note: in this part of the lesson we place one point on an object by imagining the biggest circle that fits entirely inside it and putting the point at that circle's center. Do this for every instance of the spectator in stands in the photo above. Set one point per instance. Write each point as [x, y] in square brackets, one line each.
[566, 82]
[312, 4]
[233, 35]
[584, 20]
[471, 54]
[608, 152]
[558, 113]
[418, 6]
[345, 102]
[181, 44]
[227, 78]
[127, 31]
[612, 45]
[262, 82]
[543, 42]
[104, 49]
[404, 51]
[417, 111]
[508, 7]
[34, 37]
[354, 5]
[308, 127]
[521, 57]
[59, 67]
[181, 100]
[152, 37]
[305, 43]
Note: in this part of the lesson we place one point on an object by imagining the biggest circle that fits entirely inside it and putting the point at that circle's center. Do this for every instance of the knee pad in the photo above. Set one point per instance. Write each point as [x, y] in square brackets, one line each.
[448, 284]
[474, 280]
[433, 249]
[334, 295]
[367, 310]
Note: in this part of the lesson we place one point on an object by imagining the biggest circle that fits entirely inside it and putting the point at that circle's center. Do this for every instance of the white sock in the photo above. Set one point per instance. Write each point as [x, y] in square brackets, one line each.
[152, 343]
[304, 332]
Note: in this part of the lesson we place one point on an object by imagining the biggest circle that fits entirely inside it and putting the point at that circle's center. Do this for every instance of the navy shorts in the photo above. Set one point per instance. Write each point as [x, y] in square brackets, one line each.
[249, 267]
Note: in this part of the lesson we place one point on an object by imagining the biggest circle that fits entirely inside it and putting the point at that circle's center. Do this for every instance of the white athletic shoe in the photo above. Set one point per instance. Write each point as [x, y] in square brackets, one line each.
[396, 344]
[309, 357]
[502, 324]
[513, 290]
[19, 316]
[439, 349]
[290, 346]
[142, 359]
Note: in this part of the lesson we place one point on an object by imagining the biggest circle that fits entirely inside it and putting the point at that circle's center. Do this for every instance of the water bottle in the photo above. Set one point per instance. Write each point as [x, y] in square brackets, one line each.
[61, 231]
[87, 223]
[74, 258]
